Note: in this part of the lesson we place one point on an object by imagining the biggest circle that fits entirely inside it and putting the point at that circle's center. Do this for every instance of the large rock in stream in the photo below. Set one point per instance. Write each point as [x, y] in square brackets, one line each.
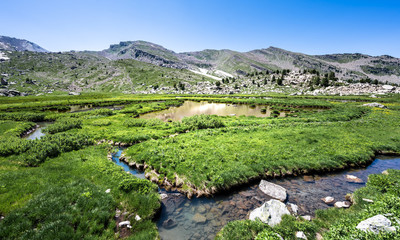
[273, 190]
[270, 212]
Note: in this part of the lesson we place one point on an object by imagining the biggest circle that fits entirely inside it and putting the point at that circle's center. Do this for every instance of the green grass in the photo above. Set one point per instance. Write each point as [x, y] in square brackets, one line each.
[224, 157]
[22, 187]
[206, 153]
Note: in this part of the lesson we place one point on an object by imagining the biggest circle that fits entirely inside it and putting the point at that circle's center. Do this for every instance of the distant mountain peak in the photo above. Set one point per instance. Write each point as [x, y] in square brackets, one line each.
[15, 44]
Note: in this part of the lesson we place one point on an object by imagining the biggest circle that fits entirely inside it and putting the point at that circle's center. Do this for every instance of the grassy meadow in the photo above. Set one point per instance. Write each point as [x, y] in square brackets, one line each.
[55, 187]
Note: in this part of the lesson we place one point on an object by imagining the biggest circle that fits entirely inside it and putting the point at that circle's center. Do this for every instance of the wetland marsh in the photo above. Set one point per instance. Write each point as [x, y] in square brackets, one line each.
[215, 147]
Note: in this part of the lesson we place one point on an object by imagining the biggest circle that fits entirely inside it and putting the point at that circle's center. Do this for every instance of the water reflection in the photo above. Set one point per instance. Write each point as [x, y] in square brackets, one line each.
[191, 108]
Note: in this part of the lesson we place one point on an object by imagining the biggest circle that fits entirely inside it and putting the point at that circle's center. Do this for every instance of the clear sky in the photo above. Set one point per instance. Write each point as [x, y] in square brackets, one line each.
[307, 26]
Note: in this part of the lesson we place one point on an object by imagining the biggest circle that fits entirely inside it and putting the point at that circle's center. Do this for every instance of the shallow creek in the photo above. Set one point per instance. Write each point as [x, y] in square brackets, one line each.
[191, 108]
[202, 218]
[37, 133]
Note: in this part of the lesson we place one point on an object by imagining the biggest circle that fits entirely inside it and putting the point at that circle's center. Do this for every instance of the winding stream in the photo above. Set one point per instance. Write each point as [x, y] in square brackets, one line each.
[202, 218]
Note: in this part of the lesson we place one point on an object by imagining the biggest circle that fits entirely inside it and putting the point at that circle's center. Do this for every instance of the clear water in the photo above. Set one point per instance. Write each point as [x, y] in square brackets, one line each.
[37, 134]
[202, 218]
[191, 108]
[115, 158]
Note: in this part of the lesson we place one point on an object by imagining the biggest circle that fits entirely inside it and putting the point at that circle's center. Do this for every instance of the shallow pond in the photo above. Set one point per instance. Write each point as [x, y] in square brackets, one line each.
[202, 218]
[37, 133]
[85, 108]
[191, 108]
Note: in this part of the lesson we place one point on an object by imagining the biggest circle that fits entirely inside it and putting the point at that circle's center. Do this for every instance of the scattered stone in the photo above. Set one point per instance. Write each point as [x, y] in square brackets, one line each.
[198, 218]
[301, 235]
[169, 223]
[293, 208]
[138, 218]
[368, 200]
[74, 93]
[385, 172]
[376, 224]
[108, 190]
[270, 212]
[273, 190]
[307, 217]
[124, 224]
[353, 179]
[378, 105]
[343, 204]
[163, 196]
[328, 200]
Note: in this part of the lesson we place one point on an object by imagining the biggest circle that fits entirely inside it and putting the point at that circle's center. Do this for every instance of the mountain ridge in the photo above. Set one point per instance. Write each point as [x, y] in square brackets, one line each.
[15, 44]
[219, 64]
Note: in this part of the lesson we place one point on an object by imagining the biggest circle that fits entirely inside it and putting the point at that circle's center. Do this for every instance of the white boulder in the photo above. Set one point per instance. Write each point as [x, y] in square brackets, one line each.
[301, 235]
[376, 224]
[270, 212]
[273, 190]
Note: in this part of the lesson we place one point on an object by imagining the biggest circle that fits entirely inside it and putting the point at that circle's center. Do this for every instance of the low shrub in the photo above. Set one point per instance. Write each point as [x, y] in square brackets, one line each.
[51, 146]
[62, 125]
[138, 185]
[201, 122]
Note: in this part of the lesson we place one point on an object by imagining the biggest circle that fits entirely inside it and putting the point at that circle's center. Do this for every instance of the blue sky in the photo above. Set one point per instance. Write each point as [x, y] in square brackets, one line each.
[308, 26]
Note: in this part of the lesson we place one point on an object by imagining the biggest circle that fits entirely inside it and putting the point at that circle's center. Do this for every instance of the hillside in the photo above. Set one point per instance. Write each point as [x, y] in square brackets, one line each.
[14, 44]
[224, 63]
[143, 67]
[34, 73]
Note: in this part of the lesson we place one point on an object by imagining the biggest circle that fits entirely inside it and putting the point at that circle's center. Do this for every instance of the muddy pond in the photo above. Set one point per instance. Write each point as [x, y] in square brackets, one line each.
[202, 218]
[191, 108]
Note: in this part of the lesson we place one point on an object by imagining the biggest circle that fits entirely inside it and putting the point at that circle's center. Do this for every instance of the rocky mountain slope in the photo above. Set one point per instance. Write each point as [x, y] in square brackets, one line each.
[14, 44]
[143, 67]
[225, 63]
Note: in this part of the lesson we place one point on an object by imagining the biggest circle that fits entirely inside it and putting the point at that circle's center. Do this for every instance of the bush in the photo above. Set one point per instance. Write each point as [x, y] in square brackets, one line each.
[267, 234]
[23, 116]
[201, 122]
[244, 230]
[62, 125]
[101, 122]
[138, 185]
[52, 145]
[13, 145]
